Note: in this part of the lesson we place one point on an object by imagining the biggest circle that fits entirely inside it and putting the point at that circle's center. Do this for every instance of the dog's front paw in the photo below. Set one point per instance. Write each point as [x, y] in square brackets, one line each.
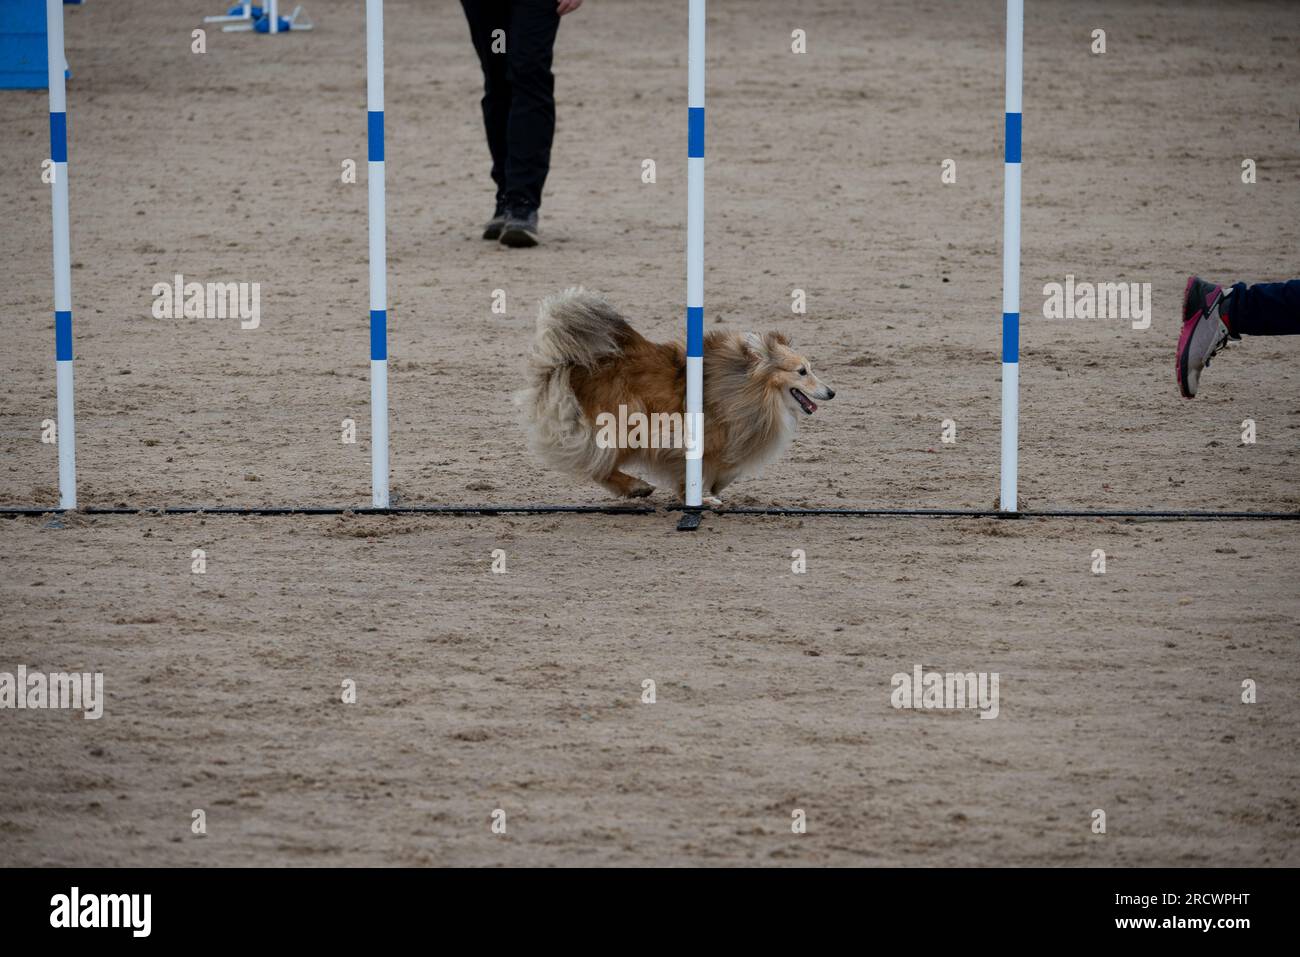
[711, 500]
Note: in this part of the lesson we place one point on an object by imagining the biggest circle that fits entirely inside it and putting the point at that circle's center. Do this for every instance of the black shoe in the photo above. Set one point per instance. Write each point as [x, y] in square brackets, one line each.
[494, 225]
[520, 229]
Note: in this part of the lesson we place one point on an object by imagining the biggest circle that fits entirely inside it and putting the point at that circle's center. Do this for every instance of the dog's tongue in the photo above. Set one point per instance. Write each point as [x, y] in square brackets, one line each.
[808, 404]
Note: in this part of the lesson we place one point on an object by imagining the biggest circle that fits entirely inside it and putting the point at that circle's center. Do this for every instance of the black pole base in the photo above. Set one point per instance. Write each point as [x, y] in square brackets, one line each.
[690, 520]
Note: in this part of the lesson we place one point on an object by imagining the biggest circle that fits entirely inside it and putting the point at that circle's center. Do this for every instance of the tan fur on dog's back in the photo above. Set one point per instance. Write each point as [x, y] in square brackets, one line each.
[586, 359]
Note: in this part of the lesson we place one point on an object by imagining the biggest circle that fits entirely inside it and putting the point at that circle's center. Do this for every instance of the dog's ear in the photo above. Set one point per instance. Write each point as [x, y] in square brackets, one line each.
[754, 344]
[774, 339]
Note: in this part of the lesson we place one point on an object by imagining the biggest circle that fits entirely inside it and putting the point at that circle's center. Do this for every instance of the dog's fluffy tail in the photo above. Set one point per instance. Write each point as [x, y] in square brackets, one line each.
[578, 328]
[574, 330]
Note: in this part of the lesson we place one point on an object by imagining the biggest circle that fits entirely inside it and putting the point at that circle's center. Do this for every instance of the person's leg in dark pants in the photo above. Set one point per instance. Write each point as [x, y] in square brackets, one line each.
[1211, 318]
[531, 42]
[484, 17]
[1264, 309]
[518, 106]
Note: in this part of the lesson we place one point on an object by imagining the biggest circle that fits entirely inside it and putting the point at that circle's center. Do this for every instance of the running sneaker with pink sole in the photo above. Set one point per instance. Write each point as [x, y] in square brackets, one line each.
[1204, 333]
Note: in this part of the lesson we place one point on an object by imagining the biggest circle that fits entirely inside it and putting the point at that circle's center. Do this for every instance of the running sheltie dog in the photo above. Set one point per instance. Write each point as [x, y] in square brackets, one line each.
[589, 369]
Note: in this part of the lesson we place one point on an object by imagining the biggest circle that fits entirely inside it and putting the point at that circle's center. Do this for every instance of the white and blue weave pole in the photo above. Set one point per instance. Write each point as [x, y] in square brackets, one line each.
[66, 420]
[378, 254]
[1011, 259]
[695, 256]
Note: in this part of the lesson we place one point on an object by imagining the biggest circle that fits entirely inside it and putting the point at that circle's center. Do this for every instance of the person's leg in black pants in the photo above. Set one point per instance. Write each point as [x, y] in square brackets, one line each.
[485, 16]
[518, 103]
[531, 39]
[1264, 309]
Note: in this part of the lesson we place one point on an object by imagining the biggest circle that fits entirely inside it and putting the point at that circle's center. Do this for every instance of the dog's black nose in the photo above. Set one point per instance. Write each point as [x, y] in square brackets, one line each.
[830, 393]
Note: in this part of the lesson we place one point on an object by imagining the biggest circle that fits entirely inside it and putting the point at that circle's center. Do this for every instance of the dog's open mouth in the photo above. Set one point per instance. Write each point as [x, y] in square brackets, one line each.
[805, 403]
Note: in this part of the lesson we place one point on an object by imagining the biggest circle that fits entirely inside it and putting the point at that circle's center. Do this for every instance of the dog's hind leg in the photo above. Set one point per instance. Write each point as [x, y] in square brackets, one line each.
[624, 485]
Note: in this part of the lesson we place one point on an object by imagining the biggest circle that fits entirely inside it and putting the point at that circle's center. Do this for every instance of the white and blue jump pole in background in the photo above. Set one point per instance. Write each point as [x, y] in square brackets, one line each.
[695, 257]
[246, 17]
[378, 254]
[66, 419]
[1011, 259]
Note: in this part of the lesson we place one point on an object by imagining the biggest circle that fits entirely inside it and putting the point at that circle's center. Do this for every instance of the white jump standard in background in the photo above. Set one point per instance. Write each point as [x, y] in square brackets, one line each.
[1011, 259]
[66, 418]
[378, 254]
[695, 256]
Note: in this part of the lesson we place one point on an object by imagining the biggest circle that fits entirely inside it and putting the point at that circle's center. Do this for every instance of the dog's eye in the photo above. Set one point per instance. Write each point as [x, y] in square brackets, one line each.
[803, 370]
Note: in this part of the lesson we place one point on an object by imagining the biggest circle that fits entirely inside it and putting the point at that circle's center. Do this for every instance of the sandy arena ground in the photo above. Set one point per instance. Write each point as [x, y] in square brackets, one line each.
[522, 691]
